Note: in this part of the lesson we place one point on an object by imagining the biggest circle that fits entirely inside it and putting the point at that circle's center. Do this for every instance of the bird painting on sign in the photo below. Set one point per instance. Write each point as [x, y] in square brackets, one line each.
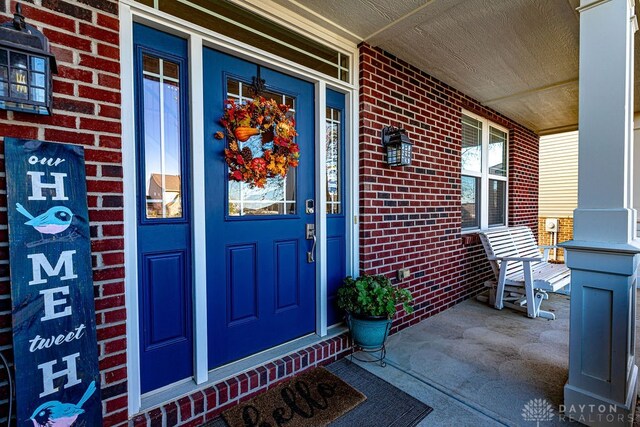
[58, 414]
[53, 222]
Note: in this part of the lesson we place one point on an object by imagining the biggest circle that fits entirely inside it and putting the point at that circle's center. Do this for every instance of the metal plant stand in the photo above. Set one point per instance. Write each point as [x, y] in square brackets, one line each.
[374, 355]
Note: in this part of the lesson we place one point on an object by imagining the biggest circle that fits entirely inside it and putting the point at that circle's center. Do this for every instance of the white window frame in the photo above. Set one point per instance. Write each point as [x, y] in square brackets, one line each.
[485, 176]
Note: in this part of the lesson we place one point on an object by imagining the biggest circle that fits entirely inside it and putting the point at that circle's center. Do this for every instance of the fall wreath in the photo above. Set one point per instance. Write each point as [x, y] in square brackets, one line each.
[269, 156]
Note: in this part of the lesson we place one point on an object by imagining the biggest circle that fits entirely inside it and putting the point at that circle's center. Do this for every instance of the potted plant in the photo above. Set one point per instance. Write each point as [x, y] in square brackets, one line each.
[370, 304]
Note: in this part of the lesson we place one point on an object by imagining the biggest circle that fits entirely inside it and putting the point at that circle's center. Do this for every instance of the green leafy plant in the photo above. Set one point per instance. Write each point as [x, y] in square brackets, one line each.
[372, 296]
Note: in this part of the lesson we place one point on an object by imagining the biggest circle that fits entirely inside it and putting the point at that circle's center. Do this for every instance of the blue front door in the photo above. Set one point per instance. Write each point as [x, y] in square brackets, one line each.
[164, 242]
[260, 282]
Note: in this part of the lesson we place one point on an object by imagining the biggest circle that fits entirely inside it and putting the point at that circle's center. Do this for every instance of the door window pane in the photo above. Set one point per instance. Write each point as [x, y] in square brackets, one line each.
[278, 196]
[497, 202]
[162, 138]
[497, 152]
[471, 144]
[470, 201]
[333, 148]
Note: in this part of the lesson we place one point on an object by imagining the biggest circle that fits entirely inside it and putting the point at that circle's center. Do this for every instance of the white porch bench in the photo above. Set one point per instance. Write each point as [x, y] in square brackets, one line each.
[519, 266]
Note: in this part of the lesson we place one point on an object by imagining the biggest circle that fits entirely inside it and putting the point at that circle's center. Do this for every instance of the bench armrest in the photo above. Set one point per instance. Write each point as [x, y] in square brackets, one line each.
[521, 259]
[546, 249]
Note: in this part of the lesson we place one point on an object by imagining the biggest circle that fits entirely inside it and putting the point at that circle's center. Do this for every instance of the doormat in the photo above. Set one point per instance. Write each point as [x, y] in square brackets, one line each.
[312, 399]
[385, 406]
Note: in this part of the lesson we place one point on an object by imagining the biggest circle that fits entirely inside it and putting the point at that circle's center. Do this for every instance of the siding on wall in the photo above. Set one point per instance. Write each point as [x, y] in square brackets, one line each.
[558, 174]
[410, 217]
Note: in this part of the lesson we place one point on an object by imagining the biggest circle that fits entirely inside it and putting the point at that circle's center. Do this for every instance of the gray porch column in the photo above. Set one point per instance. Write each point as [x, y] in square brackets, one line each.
[603, 256]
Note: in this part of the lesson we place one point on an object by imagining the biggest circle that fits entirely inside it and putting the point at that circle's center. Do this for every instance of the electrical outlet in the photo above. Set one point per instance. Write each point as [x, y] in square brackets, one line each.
[403, 273]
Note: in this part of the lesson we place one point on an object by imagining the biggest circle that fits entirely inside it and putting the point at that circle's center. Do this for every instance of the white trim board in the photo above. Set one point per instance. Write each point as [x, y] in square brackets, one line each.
[198, 37]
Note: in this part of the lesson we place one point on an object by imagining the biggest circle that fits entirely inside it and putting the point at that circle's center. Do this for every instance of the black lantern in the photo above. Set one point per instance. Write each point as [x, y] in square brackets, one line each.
[398, 146]
[26, 64]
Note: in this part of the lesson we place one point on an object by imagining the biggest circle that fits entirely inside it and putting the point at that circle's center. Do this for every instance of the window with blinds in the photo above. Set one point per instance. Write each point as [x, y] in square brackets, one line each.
[484, 173]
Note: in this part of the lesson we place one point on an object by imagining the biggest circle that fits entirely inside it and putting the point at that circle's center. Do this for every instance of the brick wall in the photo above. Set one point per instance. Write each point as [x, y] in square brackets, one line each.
[86, 111]
[410, 216]
[565, 232]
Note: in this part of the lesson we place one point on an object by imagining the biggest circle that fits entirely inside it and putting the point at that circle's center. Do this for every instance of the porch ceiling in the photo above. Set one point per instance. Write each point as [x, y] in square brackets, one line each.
[519, 57]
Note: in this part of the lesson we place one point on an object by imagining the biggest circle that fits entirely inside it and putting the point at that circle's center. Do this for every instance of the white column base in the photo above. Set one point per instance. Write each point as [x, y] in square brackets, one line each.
[603, 376]
[586, 408]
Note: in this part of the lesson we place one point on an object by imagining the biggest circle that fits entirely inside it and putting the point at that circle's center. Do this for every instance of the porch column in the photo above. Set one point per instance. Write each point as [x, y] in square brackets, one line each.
[603, 256]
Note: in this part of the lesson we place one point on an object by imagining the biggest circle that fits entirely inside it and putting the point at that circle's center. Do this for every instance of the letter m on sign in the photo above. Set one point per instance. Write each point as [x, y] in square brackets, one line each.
[39, 263]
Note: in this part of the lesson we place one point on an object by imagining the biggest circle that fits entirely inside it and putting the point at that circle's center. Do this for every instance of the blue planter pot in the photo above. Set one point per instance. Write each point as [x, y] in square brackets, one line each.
[369, 333]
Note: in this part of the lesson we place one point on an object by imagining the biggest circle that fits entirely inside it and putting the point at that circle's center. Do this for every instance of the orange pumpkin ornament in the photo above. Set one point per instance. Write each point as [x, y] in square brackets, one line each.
[243, 133]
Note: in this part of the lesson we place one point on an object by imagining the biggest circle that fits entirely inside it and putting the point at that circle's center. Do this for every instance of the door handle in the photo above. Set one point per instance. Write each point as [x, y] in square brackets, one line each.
[311, 253]
[310, 234]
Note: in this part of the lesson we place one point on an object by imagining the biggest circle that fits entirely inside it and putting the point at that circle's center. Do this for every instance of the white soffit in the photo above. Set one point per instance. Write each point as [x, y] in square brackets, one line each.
[519, 57]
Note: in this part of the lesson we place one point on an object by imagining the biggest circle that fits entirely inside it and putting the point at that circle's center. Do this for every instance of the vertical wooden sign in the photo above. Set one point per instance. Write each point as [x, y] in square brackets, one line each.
[54, 331]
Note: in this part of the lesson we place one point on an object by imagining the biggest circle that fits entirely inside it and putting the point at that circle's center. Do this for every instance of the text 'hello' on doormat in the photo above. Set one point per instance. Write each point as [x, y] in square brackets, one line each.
[312, 399]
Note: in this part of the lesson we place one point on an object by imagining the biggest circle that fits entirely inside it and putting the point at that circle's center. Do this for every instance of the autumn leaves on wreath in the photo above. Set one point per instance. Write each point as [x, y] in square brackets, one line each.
[269, 156]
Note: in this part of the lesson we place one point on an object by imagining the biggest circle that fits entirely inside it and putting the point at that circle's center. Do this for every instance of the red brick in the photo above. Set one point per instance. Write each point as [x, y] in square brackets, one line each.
[115, 418]
[115, 346]
[115, 375]
[109, 302]
[94, 186]
[110, 111]
[115, 316]
[73, 105]
[113, 259]
[42, 15]
[64, 39]
[100, 125]
[110, 82]
[109, 22]
[99, 94]
[100, 34]
[109, 215]
[62, 54]
[113, 230]
[69, 136]
[107, 51]
[108, 141]
[18, 131]
[107, 6]
[96, 63]
[62, 87]
[103, 156]
[112, 361]
[103, 245]
[74, 73]
[185, 405]
[116, 404]
[68, 9]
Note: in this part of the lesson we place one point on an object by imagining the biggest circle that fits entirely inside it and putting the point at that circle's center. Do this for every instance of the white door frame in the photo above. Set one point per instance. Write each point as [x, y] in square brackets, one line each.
[198, 38]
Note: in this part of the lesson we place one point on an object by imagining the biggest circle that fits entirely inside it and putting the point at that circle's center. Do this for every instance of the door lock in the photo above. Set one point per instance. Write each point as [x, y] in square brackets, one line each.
[309, 206]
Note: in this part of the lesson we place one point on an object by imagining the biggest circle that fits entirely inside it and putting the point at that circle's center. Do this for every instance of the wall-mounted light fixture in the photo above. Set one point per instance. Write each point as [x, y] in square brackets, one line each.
[398, 146]
[26, 64]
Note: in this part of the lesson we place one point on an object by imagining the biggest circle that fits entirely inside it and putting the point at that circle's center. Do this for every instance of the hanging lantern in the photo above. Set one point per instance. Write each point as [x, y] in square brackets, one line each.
[26, 64]
[398, 146]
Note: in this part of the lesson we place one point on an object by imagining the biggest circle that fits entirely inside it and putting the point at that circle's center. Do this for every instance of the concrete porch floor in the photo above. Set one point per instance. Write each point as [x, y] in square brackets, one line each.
[477, 366]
